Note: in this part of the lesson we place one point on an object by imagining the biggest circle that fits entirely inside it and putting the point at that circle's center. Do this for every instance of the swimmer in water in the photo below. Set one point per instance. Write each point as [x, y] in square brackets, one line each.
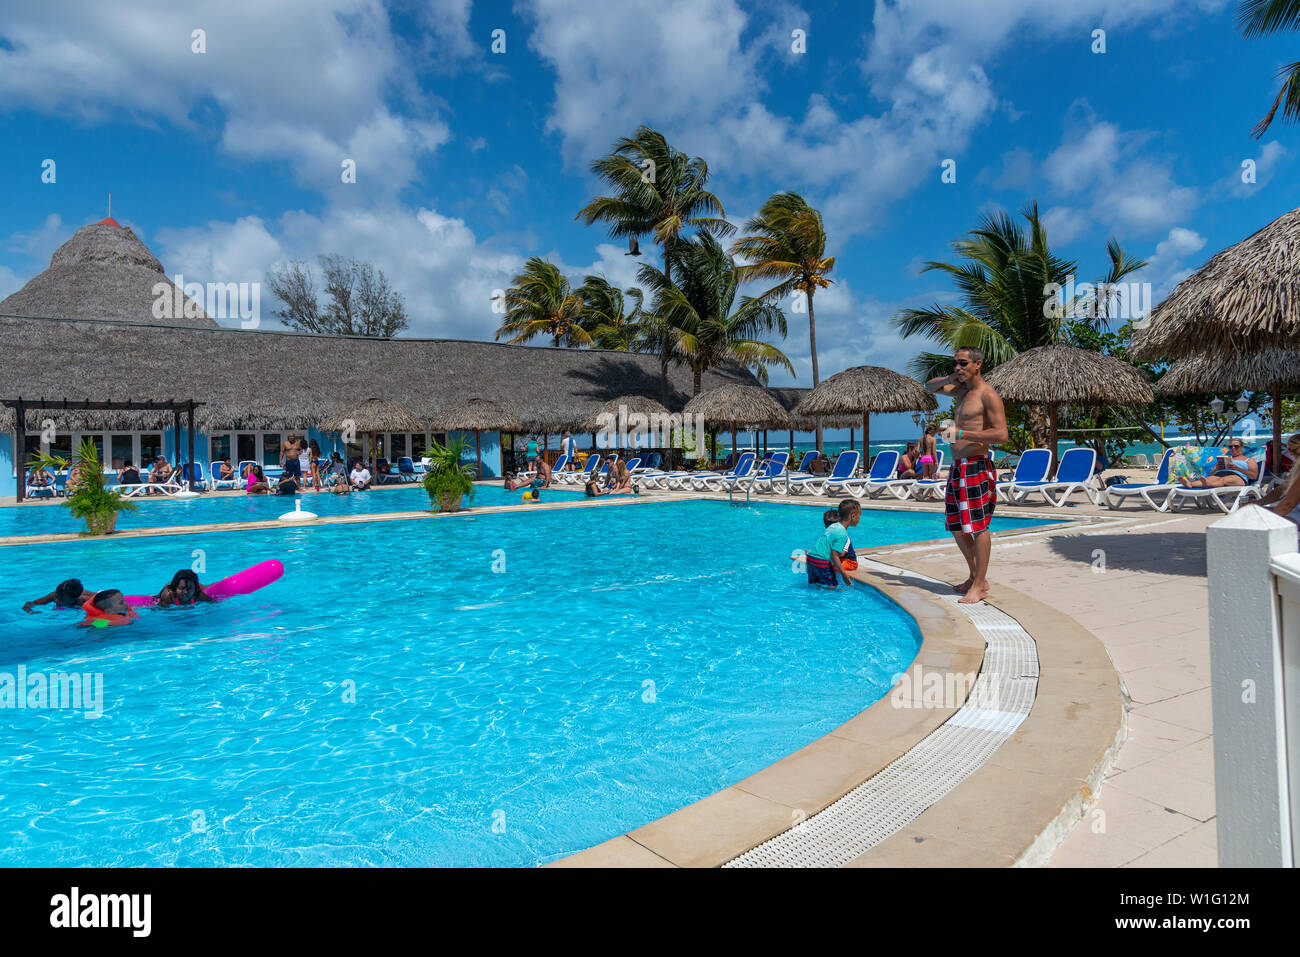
[108, 607]
[183, 589]
[67, 594]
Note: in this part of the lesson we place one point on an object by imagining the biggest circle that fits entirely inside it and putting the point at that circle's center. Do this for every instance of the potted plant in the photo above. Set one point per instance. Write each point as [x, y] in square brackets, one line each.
[88, 499]
[448, 481]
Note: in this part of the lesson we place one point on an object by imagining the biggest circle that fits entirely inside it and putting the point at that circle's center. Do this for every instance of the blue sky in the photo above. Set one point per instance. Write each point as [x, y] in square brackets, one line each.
[469, 161]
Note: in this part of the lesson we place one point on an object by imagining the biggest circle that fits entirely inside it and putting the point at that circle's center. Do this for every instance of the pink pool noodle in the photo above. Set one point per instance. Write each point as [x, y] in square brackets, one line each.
[240, 583]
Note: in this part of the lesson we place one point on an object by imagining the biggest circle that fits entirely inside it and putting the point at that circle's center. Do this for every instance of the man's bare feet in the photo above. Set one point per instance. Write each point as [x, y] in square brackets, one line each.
[977, 593]
[963, 587]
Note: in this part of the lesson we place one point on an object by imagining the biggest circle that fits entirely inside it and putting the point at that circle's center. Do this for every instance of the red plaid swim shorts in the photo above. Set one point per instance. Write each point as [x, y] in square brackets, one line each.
[970, 496]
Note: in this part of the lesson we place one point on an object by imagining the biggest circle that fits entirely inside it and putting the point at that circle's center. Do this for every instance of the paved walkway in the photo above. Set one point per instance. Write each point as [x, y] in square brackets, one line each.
[1142, 591]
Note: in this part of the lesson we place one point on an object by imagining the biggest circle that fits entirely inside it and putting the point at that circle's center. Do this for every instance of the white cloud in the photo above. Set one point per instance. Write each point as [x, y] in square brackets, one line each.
[308, 82]
[446, 275]
[1170, 263]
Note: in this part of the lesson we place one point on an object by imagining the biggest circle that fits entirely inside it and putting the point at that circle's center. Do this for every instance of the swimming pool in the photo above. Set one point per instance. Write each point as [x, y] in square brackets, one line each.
[492, 689]
[157, 511]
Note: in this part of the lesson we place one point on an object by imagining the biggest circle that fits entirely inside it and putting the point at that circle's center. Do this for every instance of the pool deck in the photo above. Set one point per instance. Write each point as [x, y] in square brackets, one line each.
[1112, 767]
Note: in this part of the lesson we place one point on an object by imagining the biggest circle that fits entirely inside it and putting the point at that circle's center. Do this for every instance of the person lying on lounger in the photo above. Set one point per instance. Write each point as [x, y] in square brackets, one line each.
[66, 594]
[159, 472]
[1231, 469]
[39, 478]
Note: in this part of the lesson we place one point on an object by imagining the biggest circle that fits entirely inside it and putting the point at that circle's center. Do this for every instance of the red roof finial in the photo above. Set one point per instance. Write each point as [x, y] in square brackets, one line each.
[109, 221]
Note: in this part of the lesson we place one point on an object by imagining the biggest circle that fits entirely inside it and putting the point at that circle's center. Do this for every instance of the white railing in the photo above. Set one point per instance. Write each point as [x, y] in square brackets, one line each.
[1254, 583]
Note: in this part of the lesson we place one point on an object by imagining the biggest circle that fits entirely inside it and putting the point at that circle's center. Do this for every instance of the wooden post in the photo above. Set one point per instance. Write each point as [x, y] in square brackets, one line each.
[733, 445]
[176, 443]
[866, 439]
[190, 430]
[850, 438]
[1277, 430]
[478, 447]
[1051, 428]
[20, 447]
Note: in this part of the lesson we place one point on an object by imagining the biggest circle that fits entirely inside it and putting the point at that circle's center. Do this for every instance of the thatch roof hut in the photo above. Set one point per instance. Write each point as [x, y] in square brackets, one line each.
[1244, 300]
[373, 415]
[737, 406]
[631, 404]
[1056, 375]
[477, 415]
[105, 273]
[1265, 371]
[273, 379]
[862, 390]
[791, 396]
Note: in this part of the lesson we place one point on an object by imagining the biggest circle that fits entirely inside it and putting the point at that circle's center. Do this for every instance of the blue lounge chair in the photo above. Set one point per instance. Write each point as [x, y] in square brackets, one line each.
[50, 490]
[1033, 466]
[1073, 474]
[773, 470]
[714, 481]
[581, 477]
[846, 463]
[882, 477]
[1148, 492]
[200, 478]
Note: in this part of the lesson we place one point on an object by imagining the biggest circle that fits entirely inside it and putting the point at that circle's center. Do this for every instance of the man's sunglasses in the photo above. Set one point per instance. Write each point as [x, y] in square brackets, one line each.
[961, 362]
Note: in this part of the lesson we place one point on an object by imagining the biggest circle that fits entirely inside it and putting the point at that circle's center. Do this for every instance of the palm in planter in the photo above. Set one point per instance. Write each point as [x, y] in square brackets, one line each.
[88, 499]
[448, 481]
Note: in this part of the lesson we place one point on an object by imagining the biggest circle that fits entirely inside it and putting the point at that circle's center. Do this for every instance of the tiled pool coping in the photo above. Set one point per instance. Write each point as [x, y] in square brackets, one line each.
[1038, 782]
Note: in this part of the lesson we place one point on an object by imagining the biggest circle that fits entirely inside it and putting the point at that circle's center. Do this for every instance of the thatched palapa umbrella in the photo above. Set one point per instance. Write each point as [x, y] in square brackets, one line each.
[737, 405]
[1055, 375]
[1272, 370]
[374, 416]
[863, 390]
[621, 410]
[1243, 302]
[476, 415]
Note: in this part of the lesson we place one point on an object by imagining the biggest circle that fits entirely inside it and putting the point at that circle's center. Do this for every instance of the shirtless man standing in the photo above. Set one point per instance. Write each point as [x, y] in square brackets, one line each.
[289, 453]
[972, 490]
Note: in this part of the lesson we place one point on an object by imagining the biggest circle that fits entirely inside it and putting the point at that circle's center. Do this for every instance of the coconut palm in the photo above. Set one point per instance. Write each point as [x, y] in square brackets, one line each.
[540, 302]
[787, 243]
[1260, 17]
[1006, 280]
[656, 190]
[700, 316]
[606, 318]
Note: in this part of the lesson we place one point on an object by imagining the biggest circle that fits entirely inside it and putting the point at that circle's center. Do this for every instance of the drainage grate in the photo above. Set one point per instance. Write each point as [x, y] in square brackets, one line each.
[999, 701]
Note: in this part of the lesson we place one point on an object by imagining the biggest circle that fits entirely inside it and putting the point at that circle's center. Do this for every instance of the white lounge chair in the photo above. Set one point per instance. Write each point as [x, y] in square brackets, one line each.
[882, 476]
[716, 482]
[1226, 498]
[1155, 494]
[846, 463]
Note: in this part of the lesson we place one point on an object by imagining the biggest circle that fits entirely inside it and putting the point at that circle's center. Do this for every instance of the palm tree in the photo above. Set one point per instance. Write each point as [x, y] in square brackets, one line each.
[1005, 281]
[1259, 17]
[541, 303]
[700, 316]
[606, 318]
[787, 243]
[657, 190]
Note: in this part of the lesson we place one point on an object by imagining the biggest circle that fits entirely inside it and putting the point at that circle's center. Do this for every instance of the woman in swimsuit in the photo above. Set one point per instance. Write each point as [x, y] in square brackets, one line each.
[183, 589]
[1232, 469]
[929, 462]
[1285, 501]
[907, 463]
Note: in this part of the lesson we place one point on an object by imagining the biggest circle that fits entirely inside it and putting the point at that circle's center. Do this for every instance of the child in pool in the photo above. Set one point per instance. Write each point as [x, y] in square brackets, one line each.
[108, 606]
[67, 594]
[823, 559]
[848, 557]
[183, 589]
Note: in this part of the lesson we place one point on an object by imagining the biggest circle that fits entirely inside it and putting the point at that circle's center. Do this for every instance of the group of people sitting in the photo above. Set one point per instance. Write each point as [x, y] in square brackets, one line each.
[110, 604]
[329, 474]
[616, 481]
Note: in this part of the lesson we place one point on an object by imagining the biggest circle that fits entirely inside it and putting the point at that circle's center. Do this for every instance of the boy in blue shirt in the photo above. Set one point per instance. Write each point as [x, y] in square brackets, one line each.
[823, 559]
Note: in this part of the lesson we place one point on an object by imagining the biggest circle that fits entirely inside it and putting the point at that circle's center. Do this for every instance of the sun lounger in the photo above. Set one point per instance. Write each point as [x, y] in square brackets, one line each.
[883, 476]
[1155, 494]
[1034, 466]
[771, 472]
[924, 488]
[846, 463]
[581, 477]
[216, 483]
[51, 490]
[1073, 474]
[715, 482]
[1226, 498]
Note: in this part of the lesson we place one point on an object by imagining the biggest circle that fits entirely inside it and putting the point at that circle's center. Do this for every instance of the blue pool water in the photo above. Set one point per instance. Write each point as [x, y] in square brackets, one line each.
[491, 689]
[156, 511]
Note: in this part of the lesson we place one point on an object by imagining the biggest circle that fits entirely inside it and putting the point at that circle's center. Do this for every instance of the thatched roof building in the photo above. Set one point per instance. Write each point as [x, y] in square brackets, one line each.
[261, 379]
[104, 273]
[1064, 375]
